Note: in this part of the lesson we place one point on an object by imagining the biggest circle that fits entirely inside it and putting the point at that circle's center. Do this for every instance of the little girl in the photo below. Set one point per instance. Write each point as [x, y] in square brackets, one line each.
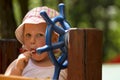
[31, 34]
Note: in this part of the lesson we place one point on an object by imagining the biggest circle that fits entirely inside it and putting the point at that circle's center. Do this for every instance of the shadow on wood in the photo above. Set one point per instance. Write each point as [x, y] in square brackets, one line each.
[9, 50]
[85, 54]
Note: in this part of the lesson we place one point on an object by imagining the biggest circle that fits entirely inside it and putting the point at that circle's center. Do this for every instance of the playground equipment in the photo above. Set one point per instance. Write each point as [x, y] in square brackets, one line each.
[61, 62]
[81, 45]
[81, 51]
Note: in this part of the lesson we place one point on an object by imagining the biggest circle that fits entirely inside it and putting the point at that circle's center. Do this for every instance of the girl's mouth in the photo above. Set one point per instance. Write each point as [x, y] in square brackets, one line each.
[22, 50]
[33, 51]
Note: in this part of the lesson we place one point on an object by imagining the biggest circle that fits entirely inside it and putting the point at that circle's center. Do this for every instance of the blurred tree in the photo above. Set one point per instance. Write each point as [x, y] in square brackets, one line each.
[7, 21]
[43, 2]
[60, 1]
[24, 6]
[76, 10]
[94, 14]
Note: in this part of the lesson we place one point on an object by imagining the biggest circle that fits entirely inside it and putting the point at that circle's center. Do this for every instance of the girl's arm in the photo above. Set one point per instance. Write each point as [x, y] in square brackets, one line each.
[18, 65]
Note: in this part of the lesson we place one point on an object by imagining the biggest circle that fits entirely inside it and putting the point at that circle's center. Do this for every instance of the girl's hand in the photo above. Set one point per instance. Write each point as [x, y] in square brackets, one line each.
[20, 64]
[22, 60]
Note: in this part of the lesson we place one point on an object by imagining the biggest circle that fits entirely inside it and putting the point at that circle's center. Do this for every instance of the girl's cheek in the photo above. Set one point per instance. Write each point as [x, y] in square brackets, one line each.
[40, 45]
[41, 41]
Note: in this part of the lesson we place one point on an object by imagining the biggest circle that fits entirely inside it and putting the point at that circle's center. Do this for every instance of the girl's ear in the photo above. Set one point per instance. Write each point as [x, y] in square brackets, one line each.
[54, 37]
[54, 40]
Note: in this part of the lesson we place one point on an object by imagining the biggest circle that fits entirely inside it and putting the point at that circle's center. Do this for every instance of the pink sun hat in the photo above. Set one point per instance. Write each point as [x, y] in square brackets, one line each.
[34, 17]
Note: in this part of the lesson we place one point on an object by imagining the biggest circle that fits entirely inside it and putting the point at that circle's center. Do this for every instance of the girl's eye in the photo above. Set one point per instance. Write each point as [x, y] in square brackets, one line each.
[40, 35]
[28, 35]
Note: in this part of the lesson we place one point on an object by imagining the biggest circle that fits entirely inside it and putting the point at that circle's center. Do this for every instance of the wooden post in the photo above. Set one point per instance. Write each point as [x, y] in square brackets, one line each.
[9, 50]
[85, 54]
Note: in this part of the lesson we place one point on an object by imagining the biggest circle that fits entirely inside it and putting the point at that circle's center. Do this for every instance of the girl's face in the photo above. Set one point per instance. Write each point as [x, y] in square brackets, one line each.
[34, 37]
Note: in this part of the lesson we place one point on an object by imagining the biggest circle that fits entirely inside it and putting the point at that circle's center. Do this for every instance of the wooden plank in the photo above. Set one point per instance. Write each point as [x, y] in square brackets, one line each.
[75, 59]
[3, 77]
[0, 60]
[85, 54]
[9, 50]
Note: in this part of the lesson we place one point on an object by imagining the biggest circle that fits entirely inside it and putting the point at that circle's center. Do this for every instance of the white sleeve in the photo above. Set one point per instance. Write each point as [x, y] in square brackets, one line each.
[8, 70]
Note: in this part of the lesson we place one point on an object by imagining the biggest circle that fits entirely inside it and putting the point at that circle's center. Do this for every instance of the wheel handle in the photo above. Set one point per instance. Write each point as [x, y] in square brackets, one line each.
[61, 62]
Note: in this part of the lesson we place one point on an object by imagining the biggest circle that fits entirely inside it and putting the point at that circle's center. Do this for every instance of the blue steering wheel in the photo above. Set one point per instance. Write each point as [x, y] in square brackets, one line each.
[61, 62]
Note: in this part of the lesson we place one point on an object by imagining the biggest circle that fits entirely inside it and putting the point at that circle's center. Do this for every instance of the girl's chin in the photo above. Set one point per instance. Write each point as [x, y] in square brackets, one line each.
[36, 57]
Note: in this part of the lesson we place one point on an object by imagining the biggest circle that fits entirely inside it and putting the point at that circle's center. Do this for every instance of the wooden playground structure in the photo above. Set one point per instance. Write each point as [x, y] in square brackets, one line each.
[84, 55]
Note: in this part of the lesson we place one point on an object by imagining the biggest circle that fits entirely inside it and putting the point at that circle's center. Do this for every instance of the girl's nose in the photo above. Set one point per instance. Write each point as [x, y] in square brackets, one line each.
[32, 40]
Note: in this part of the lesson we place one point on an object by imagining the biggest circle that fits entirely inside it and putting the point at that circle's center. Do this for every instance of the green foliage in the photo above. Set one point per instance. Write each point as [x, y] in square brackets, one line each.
[33, 3]
[17, 12]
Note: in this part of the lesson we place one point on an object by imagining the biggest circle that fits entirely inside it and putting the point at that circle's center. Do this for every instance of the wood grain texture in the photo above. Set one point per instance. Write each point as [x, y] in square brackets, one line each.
[85, 54]
[9, 51]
